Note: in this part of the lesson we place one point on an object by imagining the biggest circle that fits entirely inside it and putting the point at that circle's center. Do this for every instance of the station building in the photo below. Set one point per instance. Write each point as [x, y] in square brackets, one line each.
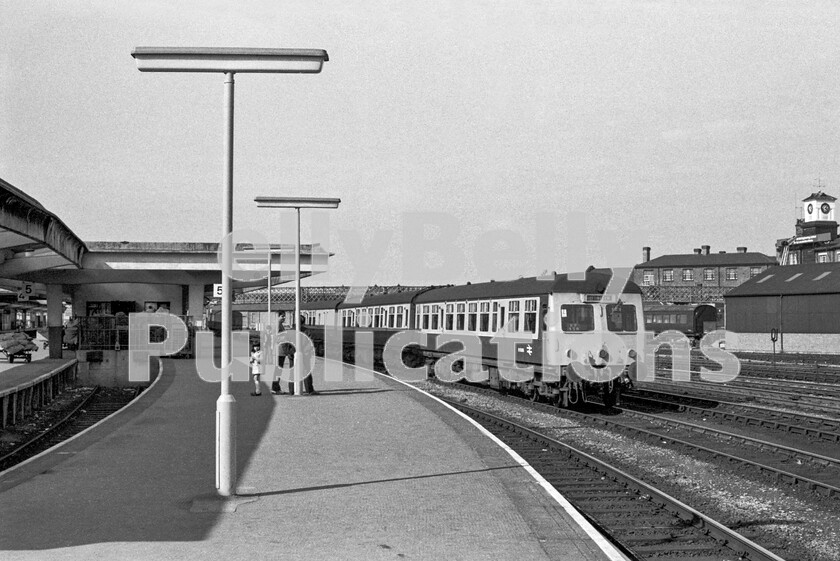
[800, 302]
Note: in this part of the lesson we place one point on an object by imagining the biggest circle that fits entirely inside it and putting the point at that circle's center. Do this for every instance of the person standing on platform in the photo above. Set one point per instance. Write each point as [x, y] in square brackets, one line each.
[276, 388]
[308, 386]
[256, 369]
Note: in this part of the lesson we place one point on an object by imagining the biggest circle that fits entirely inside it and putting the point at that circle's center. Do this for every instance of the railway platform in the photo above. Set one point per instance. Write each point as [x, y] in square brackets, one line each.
[367, 469]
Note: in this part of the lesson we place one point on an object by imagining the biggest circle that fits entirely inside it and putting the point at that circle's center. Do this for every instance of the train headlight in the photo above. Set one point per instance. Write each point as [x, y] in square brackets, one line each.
[604, 354]
[572, 355]
[632, 354]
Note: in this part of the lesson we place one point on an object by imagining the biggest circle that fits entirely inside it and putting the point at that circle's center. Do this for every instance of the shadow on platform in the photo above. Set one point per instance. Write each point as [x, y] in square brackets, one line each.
[134, 478]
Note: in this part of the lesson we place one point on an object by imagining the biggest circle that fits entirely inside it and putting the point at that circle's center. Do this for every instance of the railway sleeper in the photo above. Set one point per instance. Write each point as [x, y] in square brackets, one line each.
[619, 511]
[599, 495]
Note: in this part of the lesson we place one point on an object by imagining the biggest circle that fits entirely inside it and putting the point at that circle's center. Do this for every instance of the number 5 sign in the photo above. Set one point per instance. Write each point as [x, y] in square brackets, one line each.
[217, 291]
[25, 292]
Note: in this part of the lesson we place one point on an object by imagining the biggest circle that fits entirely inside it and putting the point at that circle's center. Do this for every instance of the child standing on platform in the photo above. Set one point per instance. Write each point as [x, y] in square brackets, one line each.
[256, 369]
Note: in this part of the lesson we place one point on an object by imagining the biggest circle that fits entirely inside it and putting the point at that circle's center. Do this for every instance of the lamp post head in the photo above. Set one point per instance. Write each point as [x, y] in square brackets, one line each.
[216, 59]
[296, 202]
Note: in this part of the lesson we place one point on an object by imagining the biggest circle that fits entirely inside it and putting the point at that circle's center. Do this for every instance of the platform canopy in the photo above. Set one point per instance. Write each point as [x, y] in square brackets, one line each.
[32, 239]
[37, 249]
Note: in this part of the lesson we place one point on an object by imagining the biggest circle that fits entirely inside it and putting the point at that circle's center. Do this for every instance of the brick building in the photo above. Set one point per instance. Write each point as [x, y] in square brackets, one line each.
[698, 277]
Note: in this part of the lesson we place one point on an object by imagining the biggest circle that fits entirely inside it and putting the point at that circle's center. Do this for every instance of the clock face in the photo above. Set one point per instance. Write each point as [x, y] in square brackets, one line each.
[825, 208]
[810, 208]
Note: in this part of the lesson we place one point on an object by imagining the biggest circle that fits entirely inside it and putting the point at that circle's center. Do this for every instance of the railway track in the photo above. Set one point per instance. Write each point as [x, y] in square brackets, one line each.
[724, 392]
[810, 426]
[99, 404]
[642, 520]
[792, 465]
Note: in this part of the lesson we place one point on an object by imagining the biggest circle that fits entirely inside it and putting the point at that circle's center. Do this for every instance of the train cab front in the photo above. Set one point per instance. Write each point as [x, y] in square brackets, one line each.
[596, 342]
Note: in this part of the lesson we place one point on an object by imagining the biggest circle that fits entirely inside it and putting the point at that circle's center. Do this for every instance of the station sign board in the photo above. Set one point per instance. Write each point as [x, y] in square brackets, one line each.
[25, 292]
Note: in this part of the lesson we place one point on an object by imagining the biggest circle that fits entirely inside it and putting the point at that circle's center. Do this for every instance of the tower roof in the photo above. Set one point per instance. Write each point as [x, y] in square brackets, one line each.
[819, 196]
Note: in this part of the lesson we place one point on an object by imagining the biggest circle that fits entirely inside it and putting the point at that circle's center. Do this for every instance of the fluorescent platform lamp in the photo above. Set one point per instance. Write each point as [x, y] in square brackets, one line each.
[297, 203]
[228, 61]
[211, 59]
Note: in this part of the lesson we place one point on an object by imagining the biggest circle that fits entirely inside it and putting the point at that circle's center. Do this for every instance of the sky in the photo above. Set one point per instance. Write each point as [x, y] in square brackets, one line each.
[467, 140]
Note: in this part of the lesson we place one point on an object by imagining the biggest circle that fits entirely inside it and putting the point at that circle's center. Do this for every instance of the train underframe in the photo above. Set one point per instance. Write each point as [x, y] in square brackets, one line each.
[561, 390]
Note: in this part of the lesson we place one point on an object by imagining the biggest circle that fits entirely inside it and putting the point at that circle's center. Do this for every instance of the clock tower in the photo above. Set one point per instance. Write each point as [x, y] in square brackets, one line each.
[818, 216]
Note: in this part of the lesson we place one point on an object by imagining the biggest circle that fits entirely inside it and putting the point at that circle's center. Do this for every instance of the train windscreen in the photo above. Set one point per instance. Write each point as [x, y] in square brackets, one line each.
[577, 317]
[621, 317]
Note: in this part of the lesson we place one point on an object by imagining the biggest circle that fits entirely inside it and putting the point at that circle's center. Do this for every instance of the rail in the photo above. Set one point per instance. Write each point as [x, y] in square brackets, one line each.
[740, 545]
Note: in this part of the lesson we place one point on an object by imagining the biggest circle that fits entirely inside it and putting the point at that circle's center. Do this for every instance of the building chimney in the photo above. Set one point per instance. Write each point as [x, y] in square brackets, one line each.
[697, 251]
[706, 249]
[742, 249]
[645, 254]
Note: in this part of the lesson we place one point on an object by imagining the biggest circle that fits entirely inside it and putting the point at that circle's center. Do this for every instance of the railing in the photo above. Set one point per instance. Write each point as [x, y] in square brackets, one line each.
[286, 295]
[684, 293]
[100, 333]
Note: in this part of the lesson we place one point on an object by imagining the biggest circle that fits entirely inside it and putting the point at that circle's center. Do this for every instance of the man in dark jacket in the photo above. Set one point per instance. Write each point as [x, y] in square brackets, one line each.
[288, 350]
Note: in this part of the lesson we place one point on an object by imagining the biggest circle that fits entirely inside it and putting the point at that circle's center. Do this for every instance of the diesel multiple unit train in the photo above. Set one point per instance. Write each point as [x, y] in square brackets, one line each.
[557, 338]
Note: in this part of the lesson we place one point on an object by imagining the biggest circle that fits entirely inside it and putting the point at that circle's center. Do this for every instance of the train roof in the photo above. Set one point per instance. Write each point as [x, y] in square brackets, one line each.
[321, 304]
[595, 281]
[674, 307]
[404, 297]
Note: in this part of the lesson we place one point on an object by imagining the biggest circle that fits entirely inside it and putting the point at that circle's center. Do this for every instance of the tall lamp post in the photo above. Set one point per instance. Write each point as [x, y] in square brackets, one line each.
[297, 203]
[228, 61]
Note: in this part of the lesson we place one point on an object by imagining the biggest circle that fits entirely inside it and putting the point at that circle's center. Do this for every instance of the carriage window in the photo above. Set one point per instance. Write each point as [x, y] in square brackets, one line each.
[435, 316]
[682, 318]
[531, 316]
[484, 318]
[390, 316]
[450, 317]
[621, 318]
[472, 317]
[460, 317]
[577, 317]
[513, 315]
[495, 316]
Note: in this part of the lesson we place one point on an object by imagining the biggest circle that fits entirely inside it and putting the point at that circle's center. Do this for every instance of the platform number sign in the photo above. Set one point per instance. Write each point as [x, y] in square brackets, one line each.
[24, 293]
[217, 291]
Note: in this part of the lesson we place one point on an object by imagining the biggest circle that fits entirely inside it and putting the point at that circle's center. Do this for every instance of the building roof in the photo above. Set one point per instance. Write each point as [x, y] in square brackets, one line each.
[819, 196]
[811, 278]
[711, 260]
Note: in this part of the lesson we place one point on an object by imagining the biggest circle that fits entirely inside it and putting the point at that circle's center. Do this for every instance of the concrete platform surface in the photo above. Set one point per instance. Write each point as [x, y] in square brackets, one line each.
[369, 469]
